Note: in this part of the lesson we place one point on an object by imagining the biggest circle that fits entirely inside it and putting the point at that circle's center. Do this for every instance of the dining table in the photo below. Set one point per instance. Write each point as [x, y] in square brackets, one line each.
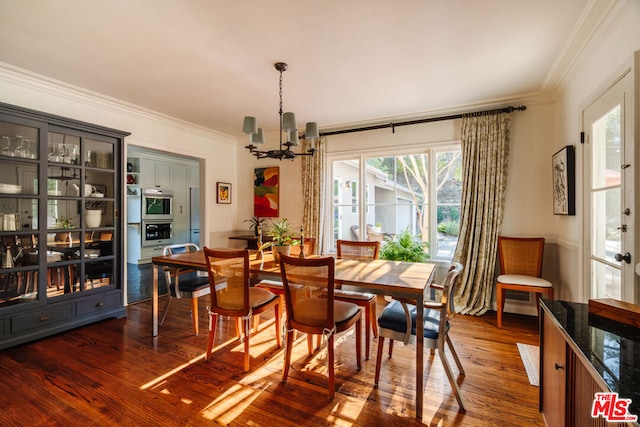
[408, 280]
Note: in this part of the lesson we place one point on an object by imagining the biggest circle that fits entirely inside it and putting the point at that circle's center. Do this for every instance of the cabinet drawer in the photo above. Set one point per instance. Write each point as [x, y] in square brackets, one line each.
[98, 303]
[1, 327]
[39, 319]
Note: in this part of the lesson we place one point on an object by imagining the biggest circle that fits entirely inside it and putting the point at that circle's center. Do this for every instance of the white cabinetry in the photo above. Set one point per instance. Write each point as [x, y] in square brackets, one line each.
[156, 173]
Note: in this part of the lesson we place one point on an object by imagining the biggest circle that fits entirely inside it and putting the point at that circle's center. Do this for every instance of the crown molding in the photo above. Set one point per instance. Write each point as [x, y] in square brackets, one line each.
[590, 22]
[38, 82]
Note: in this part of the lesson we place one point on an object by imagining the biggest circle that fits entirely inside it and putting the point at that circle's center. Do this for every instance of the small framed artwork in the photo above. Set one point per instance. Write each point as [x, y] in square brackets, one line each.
[564, 181]
[223, 193]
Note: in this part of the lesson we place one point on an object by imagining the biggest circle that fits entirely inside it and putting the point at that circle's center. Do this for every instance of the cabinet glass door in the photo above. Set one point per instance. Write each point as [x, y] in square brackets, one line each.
[80, 213]
[18, 213]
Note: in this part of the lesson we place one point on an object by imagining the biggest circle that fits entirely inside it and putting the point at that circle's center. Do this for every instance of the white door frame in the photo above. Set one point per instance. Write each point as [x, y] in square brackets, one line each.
[631, 175]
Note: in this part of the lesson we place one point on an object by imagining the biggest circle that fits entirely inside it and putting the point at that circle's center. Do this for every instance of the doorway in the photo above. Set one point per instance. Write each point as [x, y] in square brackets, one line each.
[608, 196]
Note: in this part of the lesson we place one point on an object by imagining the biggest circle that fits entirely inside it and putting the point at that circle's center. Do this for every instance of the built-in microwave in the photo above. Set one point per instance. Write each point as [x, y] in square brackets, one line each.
[157, 204]
[157, 233]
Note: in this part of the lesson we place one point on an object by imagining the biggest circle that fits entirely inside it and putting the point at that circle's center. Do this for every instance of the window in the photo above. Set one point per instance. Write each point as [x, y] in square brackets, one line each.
[416, 191]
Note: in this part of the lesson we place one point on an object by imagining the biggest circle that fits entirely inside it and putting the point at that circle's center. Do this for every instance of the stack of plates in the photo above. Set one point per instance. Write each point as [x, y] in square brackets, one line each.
[10, 189]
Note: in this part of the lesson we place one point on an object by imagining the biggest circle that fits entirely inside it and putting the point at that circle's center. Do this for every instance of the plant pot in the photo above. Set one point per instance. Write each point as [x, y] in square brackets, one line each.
[93, 218]
[277, 250]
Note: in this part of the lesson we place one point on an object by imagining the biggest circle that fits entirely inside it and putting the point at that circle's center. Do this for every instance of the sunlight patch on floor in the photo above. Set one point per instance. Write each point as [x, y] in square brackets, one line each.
[162, 378]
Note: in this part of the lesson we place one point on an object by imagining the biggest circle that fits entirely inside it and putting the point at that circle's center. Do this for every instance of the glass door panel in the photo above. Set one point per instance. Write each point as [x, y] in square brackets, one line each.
[608, 194]
[98, 154]
[18, 213]
[63, 148]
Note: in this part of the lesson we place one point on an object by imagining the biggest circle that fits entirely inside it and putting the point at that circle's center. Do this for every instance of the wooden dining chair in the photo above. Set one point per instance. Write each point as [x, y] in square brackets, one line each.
[276, 286]
[316, 316]
[398, 322]
[361, 251]
[184, 283]
[521, 270]
[237, 298]
[308, 246]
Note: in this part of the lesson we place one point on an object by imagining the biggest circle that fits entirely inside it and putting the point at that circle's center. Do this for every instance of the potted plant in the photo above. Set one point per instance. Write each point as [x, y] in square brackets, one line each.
[93, 213]
[405, 247]
[256, 223]
[280, 233]
[66, 223]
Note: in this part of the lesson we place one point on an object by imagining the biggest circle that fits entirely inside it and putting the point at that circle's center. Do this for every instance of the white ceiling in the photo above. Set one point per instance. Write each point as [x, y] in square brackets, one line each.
[210, 62]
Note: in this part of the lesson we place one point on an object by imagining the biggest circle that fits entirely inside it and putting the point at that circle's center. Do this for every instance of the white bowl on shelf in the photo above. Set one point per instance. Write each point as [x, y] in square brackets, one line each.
[10, 189]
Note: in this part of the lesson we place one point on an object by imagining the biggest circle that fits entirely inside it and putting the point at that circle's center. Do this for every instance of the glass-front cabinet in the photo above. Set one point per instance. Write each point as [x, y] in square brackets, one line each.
[60, 224]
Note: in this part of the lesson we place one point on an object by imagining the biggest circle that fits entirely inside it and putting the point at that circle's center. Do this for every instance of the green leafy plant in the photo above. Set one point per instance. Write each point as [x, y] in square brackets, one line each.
[450, 228]
[65, 222]
[405, 247]
[280, 233]
[255, 223]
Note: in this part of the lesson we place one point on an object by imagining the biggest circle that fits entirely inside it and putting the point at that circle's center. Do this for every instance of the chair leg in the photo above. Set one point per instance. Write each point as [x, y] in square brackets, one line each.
[374, 318]
[455, 356]
[452, 381]
[331, 367]
[239, 332]
[256, 323]
[247, 334]
[359, 343]
[213, 323]
[278, 309]
[194, 316]
[367, 334]
[310, 343]
[166, 309]
[500, 300]
[378, 360]
[390, 348]
[287, 355]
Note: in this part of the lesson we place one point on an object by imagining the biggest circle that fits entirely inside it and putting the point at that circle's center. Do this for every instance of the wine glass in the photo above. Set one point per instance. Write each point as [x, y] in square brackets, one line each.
[21, 149]
[62, 152]
[32, 154]
[7, 150]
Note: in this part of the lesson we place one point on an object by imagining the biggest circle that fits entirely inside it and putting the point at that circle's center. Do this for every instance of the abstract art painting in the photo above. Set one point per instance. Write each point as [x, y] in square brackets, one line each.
[266, 192]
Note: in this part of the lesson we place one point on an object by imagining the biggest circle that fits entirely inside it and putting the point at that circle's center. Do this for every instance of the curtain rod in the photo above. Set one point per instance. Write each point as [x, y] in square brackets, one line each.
[419, 121]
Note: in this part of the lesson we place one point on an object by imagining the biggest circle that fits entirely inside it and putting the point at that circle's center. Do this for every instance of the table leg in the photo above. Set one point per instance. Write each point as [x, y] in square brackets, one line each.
[154, 303]
[419, 355]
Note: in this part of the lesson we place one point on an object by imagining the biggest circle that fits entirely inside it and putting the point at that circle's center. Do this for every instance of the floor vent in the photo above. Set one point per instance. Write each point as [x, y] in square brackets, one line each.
[516, 295]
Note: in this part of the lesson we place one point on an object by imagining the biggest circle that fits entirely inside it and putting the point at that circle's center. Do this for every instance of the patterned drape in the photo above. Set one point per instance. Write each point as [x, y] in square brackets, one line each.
[313, 183]
[485, 154]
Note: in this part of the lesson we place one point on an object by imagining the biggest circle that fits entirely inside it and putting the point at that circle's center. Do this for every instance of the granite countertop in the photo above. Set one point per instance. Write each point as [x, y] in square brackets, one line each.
[613, 348]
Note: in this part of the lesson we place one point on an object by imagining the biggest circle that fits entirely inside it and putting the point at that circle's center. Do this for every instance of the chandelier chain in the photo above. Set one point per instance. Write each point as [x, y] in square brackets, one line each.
[280, 93]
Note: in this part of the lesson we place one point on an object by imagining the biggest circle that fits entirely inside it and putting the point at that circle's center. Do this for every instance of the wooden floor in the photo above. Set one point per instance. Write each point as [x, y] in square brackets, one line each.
[113, 373]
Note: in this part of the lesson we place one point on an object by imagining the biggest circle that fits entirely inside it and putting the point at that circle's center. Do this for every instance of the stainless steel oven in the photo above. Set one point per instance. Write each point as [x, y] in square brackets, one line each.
[157, 204]
[156, 232]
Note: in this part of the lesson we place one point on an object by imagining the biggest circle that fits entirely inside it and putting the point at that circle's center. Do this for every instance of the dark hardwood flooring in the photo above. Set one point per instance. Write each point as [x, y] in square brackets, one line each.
[139, 282]
[113, 373]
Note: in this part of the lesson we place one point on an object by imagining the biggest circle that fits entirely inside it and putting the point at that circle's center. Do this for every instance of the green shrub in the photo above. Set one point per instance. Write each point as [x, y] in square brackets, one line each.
[450, 228]
[405, 247]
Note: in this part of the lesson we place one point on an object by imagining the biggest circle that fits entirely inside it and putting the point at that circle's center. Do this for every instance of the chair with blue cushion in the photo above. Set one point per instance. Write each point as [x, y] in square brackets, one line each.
[184, 283]
[398, 322]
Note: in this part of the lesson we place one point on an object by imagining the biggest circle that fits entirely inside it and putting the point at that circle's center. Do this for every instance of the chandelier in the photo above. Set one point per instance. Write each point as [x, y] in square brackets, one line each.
[287, 124]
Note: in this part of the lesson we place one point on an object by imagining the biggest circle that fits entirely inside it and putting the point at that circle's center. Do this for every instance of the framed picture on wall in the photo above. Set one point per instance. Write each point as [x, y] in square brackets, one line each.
[223, 193]
[266, 192]
[564, 185]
